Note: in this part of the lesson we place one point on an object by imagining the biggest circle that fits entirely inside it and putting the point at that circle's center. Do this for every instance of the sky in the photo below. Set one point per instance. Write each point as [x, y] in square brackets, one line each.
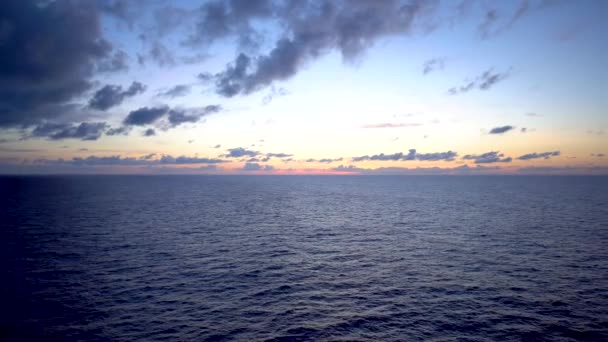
[303, 87]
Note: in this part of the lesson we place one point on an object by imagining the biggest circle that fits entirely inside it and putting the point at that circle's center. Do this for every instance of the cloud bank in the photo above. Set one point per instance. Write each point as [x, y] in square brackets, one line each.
[411, 155]
[488, 158]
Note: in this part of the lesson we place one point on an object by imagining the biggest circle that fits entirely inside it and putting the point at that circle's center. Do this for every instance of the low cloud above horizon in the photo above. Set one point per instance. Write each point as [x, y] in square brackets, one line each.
[302, 87]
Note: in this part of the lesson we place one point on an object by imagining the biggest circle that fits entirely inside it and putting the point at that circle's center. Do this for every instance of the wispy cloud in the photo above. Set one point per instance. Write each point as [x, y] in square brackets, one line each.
[433, 65]
[485, 81]
[273, 94]
[175, 91]
[496, 22]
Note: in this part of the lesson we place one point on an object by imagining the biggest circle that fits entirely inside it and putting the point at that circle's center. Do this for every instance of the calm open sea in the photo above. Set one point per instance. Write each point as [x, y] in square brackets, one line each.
[295, 258]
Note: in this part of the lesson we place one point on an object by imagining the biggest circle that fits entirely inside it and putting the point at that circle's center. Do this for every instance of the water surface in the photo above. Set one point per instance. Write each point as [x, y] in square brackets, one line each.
[255, 258]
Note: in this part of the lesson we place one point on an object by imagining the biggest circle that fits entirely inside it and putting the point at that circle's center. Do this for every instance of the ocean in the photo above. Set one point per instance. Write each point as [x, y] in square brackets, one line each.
[303, 258]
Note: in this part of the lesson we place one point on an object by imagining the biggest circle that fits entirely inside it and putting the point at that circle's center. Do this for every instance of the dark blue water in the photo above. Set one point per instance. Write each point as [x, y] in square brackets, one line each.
[234, 258]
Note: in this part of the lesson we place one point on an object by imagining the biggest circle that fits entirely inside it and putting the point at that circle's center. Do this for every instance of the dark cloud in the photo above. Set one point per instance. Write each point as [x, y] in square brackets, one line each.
[59, 131]
[161, 54]
[179, 116]
[123, 130]
[144, 116]
[489, 78]
[385, 157]
[220, 19]
[239, 152]
[501, 129]
[119, 61]
[141, 59]
[229, 82]
[194, 59]
[257, 167]
[167, 159]
[110, 160]
[142, 160]
[310, 29]
[432, 65]
[20, 150]
[174, 117]
[543, 155]
[392, 125]
[598, 155]
[123, 10]
[48, 53]
[488, 158]
[205, 77]
[255, 156]
[349, 168]
[278, 155]
[176, 91]
[446, 156]
[149, 132]
[168, 18]
[113, 95]
[217, 146]
[485, 81]
[411, 155]
[155, 50]
[329, 160]
[212, 109]
[210, 167]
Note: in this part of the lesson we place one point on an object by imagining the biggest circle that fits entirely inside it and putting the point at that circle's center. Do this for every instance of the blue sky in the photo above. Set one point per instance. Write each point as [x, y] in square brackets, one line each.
[471, 86]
